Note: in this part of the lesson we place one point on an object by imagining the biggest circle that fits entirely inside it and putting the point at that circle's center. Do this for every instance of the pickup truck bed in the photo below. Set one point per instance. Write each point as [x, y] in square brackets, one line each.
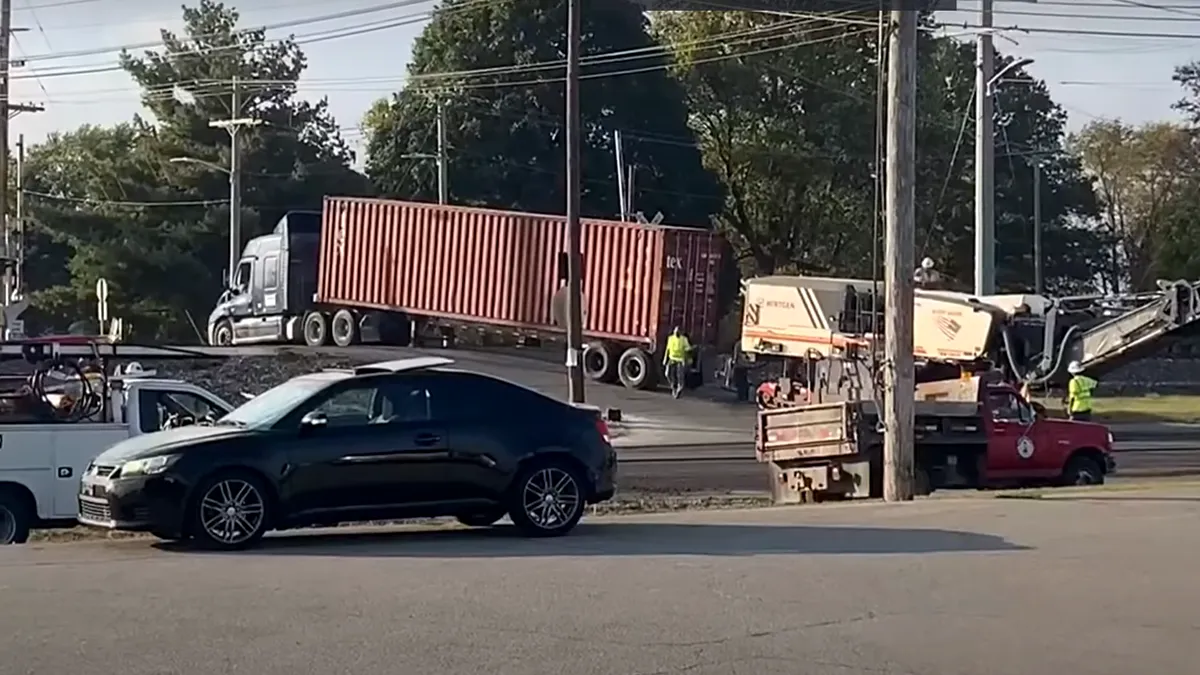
[850, 428]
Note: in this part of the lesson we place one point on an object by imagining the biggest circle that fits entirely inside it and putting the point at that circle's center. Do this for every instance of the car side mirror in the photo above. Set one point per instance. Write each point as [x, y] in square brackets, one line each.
[314, 420]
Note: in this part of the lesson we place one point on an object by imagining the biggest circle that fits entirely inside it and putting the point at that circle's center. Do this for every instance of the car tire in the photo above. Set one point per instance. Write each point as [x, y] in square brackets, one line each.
[315, 330]
[532, 513]
[14, 518]
[240, 490]
[482, 519]
[223, 333]
[344, 328]
[1083, 470]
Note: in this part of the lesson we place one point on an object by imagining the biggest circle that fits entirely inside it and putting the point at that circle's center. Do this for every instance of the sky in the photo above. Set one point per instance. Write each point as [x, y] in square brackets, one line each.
[1090, 72]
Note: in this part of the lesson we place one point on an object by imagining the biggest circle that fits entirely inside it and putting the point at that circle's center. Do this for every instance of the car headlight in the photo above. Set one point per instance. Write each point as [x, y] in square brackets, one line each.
[148, 466]
[1110, 439]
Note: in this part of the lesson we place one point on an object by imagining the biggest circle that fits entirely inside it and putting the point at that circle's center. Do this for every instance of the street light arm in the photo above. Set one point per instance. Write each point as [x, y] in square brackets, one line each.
[1013, 65]
[199, 162]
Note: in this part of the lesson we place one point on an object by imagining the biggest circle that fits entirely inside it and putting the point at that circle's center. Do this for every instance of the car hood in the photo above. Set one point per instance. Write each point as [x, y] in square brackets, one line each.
[159, 442]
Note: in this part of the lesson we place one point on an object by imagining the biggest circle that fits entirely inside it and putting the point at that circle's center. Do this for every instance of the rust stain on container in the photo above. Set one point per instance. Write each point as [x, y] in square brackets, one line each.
[503, 268]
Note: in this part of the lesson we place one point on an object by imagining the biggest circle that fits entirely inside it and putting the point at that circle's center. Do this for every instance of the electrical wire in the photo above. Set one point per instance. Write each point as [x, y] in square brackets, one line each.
[203, 88]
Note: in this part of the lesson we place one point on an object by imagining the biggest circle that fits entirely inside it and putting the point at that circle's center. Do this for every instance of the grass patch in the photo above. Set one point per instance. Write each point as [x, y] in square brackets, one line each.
[1128, 409]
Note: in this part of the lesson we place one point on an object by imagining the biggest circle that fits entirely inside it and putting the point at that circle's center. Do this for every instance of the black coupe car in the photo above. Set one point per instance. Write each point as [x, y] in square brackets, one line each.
[411, 438]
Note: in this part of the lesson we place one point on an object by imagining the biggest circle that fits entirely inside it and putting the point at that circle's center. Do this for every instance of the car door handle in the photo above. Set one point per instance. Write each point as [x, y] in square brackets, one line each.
[427, 439]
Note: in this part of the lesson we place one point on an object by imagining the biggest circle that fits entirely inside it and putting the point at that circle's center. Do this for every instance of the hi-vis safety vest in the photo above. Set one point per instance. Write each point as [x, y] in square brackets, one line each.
[1079, 393]
[677, 348]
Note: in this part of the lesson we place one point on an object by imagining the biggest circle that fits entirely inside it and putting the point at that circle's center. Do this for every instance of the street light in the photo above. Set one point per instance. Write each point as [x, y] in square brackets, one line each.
[235, 209]
[1013, 65]
[199, 162]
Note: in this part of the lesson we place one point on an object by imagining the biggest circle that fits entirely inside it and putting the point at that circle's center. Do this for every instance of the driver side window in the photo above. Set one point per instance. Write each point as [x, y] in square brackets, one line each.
[241, 281]
[349, 408]
[1007, 407]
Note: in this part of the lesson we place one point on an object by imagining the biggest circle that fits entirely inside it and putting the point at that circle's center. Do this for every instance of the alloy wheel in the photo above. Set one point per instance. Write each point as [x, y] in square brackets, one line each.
[551, 498]
[232, 511]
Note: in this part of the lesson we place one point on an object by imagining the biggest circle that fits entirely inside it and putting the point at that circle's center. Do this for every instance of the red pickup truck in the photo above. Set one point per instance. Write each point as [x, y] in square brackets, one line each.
[967, 433]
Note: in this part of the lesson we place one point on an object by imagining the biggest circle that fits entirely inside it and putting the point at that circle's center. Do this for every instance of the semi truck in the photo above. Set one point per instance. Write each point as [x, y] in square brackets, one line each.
[402, 272]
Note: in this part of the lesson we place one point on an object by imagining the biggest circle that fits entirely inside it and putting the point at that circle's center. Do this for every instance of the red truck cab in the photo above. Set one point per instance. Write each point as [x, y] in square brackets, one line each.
[1025, 446]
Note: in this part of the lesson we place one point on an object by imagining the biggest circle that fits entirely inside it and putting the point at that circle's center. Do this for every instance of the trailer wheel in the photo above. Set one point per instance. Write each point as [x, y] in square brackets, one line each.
[344, 328]
[316, 330]
[636, 369]
[598, 362]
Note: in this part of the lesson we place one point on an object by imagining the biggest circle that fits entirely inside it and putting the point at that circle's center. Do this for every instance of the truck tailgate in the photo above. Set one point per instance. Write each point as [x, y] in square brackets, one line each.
[823, 430]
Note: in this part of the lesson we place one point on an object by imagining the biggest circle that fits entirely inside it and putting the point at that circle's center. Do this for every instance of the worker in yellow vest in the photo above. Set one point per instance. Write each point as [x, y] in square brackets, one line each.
[1079, 393]
[675, 360]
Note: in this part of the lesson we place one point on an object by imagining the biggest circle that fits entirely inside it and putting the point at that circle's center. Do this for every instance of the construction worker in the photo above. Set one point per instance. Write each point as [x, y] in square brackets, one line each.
[926, 276]
[1079, 393]
[675, 360]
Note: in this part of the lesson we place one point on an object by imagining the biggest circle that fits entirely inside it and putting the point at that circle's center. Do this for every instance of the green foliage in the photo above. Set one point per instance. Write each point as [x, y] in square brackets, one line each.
[505, 133]
[108, 202]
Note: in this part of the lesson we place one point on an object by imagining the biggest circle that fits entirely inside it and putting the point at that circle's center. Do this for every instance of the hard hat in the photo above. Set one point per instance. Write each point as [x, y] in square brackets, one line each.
[1074, 368]
[927, 263]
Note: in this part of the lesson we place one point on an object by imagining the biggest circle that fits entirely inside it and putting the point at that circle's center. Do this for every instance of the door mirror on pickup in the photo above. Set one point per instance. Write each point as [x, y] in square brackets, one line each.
[313, 420]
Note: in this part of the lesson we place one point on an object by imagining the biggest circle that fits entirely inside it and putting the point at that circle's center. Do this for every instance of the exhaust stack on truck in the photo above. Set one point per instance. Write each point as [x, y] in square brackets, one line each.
[399, 272]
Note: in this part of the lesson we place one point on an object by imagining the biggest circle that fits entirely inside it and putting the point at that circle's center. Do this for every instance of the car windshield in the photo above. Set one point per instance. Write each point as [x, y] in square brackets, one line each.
[270, 406]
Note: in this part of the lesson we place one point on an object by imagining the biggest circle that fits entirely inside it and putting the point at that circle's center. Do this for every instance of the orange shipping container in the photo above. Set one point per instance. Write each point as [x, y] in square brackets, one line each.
[508, 269]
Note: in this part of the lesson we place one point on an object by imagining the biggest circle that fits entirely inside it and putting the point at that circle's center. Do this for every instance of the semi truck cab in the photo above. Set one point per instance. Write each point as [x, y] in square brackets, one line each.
[272, 288]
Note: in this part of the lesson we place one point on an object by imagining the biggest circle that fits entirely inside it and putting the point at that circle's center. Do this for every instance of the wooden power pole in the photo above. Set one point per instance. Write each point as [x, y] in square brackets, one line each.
[899, 244]
[574, 226]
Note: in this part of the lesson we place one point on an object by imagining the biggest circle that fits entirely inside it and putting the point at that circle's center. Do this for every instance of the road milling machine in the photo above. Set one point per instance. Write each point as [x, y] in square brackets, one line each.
[819, 428]
[792, 324]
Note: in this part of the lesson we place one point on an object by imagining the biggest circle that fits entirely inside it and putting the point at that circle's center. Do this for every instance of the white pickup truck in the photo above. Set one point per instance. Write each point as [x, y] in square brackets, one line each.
[41, 463]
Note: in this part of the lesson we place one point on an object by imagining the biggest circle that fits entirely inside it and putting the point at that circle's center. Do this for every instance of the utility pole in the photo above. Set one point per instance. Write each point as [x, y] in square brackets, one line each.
[574, 226]
[985, 158]
[234, 126]
[19, 284]
[1038, 283]
[443, 185]
[7, 110]
[622, 190]
[899, 245]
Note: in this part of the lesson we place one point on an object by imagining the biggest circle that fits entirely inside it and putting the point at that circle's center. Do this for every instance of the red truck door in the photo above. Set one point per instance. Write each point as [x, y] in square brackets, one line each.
[1015, 436]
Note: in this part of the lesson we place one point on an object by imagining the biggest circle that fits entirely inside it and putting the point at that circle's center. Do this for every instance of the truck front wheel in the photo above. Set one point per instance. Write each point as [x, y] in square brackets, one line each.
[1083, 470]
[316, 330]
[223, 333]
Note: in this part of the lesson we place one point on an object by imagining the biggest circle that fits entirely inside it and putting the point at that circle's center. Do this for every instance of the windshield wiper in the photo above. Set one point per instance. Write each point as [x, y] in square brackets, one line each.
[226, 422]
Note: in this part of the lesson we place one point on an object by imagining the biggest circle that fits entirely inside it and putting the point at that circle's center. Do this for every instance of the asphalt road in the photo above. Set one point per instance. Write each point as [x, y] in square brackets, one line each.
[747, 475]
[936, 587]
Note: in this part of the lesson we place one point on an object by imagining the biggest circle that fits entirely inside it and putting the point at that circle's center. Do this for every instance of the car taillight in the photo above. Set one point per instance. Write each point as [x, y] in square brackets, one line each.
[602, 427]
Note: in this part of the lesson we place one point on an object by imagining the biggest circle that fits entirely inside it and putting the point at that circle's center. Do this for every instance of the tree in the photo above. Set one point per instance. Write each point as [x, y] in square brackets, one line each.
[786, 112]
[505, 112]
[1141, 173]
[124, 211]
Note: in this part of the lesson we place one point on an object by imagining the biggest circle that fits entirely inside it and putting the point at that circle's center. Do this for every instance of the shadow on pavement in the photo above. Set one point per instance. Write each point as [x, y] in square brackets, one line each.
[633, 539]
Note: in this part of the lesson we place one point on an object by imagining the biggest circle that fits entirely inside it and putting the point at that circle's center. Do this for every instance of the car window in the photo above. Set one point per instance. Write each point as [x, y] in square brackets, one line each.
[158, 408]
[348, 408]
[1008, 407]
[402, 402]
[467, 396]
